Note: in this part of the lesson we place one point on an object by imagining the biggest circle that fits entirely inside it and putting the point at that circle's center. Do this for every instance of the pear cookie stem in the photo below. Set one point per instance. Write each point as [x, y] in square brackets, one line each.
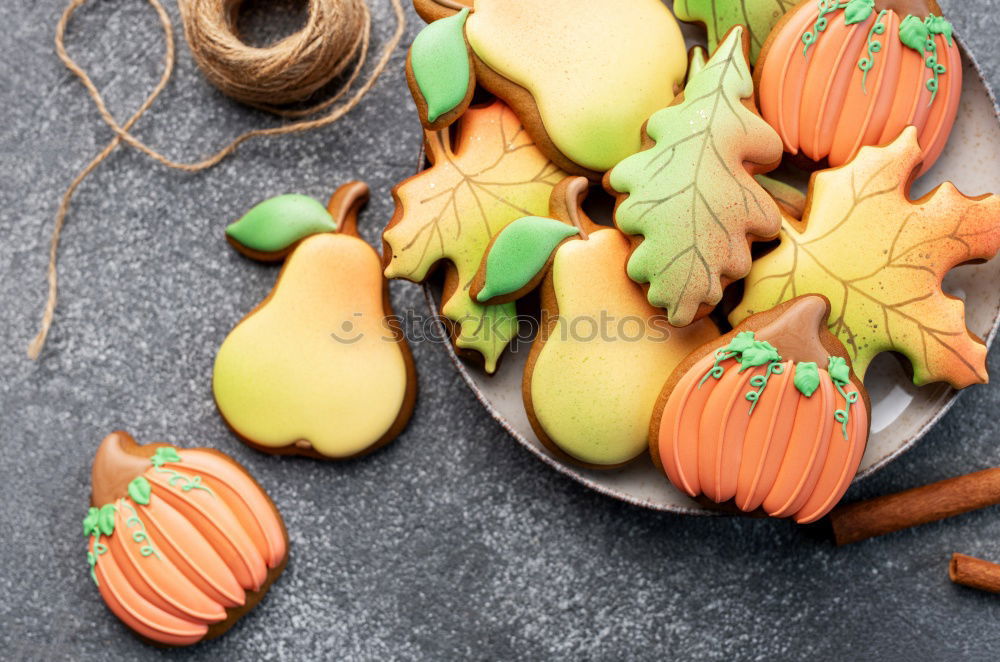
[345, 204]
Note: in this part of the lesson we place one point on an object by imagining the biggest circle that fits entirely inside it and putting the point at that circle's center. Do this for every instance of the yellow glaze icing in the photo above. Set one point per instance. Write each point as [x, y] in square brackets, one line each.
[594, 396]
[597, 69]
[282, 375]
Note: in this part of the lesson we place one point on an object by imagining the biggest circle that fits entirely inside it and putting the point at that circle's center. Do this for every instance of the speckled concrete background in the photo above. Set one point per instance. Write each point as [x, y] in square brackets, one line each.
[453, 542]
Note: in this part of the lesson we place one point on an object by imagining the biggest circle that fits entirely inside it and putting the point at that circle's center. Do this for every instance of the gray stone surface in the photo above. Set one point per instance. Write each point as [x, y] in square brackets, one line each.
[453, 542]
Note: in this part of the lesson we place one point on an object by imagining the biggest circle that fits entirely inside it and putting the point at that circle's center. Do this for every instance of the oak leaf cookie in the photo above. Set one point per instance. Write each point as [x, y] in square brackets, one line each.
[181, 542]
[479, 180]
[319, 367]
[836, 76]
[769, 417]
[583, 75]
[880, 257]
[597, 363]
[689, 197]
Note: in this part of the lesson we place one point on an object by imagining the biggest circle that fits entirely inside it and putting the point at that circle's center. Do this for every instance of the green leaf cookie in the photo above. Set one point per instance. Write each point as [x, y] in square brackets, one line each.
[519, 252]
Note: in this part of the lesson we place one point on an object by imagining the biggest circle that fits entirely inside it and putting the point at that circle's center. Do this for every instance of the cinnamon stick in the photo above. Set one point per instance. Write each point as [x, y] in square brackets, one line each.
[974, 573]
[920, 505]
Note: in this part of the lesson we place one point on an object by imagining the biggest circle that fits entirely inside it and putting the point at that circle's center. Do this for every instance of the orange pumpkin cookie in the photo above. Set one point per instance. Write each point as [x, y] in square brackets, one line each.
[181, 542]
[836, 76]
[880, 258]
[319, 367]
[768, 417]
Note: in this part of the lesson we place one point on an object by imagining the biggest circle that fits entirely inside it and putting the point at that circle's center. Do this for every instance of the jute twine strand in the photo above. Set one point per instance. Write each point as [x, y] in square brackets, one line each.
[336, 35]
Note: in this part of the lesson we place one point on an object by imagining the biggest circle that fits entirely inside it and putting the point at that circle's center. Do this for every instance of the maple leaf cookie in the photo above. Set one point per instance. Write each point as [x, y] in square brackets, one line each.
[879, 258]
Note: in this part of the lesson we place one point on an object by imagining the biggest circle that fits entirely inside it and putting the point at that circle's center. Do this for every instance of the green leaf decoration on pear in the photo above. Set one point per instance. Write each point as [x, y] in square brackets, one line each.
[759, 353]
[913, 33]
[692, 196]
[806, 378]
[139, 490]
[857, 11]
[106, 519]
[719, 16]
[165, 454]
[520, 251]
[278, 223]
[839, 372]
[439, 60]
[90, 522]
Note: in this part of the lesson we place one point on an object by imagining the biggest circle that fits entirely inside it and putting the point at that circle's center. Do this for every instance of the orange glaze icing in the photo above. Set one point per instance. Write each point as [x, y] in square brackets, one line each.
[824, 106]
[174, 565]
[788, 456]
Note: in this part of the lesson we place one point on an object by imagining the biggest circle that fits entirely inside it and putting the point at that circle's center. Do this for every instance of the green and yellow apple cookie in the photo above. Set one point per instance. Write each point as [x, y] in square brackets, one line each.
[317, 368]
[583, 75]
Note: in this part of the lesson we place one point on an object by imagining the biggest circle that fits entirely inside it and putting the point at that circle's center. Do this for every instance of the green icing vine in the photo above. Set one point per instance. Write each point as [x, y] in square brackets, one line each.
[841, 376]
[750, 353]
[166, 454]
[872, 47]
[825, 7]
[140, 537]
[919, 35]
[760, 381]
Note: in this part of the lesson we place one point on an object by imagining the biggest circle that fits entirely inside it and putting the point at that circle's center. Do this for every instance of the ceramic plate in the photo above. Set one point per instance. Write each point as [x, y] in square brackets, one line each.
[901, 412]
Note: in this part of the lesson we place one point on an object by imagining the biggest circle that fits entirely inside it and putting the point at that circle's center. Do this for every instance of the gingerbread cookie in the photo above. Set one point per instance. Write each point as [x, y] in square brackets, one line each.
[768, 417]
[583, 75]
[597, 364]
[880, 257]
[690, 195]
[480, 180]
[181, 542]
[720, 16]
[319, 367]
[836, 76]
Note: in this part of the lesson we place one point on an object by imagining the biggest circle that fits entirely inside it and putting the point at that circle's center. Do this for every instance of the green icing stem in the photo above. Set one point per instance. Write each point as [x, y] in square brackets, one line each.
[96, 550]
[520, 251]
[440, 63]
[873, 47]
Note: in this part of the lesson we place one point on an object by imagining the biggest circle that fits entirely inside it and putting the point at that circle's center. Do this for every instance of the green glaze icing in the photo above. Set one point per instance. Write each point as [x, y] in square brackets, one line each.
[872, 47]
[90, 527]
[840, 373]
[718, 16]
[96, 549]
[757, 354]
[279, 222]
[741, 341]
[165, 454]
[825, 7]
[858, 11]
[139, 536]
[139, 490]
[106, 519]
[806, 378]
[519, 252]
[759, 382]
[440, 63]
[919, 35]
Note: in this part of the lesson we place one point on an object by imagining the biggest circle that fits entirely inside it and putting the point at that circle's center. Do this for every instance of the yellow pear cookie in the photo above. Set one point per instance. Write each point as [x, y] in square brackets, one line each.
[319, 367]
[599, 360]
[583, 75]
